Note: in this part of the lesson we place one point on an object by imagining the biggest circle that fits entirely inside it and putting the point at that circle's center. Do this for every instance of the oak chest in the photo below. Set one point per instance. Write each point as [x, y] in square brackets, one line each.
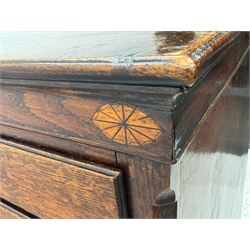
[123, 124]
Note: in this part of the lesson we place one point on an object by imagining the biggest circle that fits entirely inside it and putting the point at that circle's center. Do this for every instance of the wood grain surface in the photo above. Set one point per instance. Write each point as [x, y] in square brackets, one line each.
[58, 188]
[165, 206]
[68, 148]
[67, 110]
[7, 212]
[92, 127]
[193, 104]
[169, 58]
[144, 180]
[212, 169]
[68, 114]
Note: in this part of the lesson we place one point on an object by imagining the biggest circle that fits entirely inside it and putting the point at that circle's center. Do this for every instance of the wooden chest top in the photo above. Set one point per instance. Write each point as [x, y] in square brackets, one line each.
[165, 58]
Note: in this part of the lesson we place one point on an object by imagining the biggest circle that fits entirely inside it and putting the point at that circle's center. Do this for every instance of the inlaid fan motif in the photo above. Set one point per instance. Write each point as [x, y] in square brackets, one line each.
[126, 124]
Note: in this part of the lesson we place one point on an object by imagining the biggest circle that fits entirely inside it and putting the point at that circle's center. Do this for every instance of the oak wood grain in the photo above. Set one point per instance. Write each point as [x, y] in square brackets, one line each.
[56, 111]
[212, 170]
[144, 180]
[68, 148]
[65, 110]
[193, 104]
[7, 212]
[169, 58]
[68, 114]
[165, 206]
[51, 186]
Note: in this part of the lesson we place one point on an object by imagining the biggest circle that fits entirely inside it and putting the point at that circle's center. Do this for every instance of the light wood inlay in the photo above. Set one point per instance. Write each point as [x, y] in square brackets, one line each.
[126, 124]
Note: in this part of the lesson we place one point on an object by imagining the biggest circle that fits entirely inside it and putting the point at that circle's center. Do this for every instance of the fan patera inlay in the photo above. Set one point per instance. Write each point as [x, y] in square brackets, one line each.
[126, 124]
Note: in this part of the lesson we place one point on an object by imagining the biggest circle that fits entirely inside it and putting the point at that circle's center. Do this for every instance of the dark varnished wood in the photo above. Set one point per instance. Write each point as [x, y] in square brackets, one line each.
[165, 206]
[51, 186]
[68, 114]
[59, 106]
[144, 180]
[192, 105]
[53, 109]
[211, 172]
[169, 58]
[71, 149]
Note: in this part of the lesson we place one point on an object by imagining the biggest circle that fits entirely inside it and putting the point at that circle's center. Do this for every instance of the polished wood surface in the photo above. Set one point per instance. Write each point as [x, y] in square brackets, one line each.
[193, 104]
[144, 180]
[115, 125]
[162, 119]
[79, 45]
[110, 56]
[209, 177]
[71, 115]
[50, 186]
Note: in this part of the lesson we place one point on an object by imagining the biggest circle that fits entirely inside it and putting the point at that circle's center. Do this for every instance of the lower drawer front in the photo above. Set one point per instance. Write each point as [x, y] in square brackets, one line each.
[7, 212]
[50, 186]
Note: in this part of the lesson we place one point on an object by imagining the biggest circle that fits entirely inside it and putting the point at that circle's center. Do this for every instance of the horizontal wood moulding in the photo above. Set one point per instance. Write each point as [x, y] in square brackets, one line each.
[152, 122]
[148, 58]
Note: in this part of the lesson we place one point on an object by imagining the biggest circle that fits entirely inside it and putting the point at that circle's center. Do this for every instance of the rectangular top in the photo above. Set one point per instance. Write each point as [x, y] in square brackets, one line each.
[168, 58]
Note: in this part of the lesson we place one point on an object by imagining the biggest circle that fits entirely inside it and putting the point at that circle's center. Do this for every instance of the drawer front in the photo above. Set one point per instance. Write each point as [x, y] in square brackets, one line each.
[7, 212]
[51, 186]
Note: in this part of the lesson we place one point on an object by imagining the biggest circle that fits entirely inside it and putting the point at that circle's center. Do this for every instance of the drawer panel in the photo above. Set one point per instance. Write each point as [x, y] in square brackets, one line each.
[51, 186]
[7, 212]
